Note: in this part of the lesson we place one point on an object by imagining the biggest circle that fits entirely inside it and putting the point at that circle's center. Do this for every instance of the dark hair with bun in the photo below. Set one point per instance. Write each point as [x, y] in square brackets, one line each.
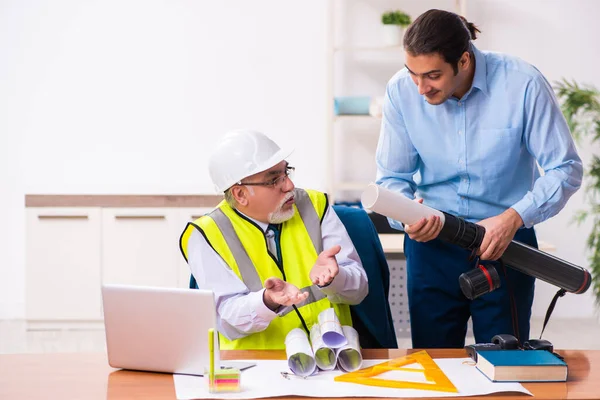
[442, 32]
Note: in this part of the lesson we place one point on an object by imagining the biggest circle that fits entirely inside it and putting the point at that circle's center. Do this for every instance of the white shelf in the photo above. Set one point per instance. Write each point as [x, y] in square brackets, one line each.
[398, 49]
[392, 242]
[351, 185]
[356, 118]
[343, 50]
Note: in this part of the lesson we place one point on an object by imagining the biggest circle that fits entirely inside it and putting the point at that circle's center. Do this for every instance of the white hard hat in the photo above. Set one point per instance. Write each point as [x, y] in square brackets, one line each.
[242, 153]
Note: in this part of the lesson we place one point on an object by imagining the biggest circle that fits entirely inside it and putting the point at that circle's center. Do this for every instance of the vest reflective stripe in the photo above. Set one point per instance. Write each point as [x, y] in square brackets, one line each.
[315, 294]
[298, 255]
[249, 275]
[311, 220]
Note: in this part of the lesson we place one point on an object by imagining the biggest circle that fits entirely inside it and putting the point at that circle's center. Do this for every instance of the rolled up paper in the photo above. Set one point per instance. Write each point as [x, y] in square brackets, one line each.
[301, 360]
[349, 357]
[331, 329]
[396, 206]
[324, 356]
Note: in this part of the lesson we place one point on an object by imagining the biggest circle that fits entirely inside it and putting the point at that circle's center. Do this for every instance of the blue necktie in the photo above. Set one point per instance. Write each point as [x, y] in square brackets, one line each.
[276, 237]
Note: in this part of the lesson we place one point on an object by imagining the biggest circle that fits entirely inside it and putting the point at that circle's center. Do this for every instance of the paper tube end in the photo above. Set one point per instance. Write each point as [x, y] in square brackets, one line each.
[369, 196]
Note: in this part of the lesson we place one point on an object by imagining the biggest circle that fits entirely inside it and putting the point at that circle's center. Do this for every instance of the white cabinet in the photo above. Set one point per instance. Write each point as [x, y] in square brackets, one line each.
[139, 246]
[72, 251]
[63, 264]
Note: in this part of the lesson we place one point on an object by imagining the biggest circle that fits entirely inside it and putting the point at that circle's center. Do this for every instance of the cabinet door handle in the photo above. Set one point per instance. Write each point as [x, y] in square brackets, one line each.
[62, 217]
[139, 217]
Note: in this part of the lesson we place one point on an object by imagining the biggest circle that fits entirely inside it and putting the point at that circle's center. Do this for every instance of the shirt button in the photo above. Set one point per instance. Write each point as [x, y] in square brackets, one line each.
[460, 132]
[459, 104]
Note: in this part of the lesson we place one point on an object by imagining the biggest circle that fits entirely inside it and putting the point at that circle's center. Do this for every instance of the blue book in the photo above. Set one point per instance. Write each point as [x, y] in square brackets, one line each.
[521, 366]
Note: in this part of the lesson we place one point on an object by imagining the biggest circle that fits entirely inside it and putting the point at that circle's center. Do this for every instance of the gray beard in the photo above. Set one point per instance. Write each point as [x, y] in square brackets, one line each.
[281, 216]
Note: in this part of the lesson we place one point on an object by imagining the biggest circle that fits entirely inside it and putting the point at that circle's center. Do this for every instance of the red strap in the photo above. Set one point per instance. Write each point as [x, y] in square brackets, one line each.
[488, 277]
[583, 285]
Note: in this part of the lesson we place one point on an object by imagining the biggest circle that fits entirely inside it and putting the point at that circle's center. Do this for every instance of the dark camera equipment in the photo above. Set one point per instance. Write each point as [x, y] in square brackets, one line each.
[455, 230]
[519, 256]
[508, 342]
[499, 342]
[482, 279]
[538, 344]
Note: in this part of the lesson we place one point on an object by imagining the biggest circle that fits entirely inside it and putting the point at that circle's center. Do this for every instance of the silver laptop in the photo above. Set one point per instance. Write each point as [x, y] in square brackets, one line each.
[159, 329]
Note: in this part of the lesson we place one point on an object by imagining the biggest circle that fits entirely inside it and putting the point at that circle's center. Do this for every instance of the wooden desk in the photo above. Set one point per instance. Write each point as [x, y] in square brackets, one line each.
[88, 376]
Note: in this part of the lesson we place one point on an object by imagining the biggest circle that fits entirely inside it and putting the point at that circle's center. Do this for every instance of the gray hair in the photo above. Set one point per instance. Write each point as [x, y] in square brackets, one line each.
[230, 199]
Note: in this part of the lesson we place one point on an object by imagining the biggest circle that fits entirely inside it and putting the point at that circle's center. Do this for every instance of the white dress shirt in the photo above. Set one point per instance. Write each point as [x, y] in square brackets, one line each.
[241, 312]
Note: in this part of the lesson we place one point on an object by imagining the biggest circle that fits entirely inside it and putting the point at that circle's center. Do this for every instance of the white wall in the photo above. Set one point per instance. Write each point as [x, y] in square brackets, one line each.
[127, 96]
[12, 220]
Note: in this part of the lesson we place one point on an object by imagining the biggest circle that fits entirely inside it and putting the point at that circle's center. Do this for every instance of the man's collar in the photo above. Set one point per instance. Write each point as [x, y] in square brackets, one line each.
[262, 225]
[480, 77]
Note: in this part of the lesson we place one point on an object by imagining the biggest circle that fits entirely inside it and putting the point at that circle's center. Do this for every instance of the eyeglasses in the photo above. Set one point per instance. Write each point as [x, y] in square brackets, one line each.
[276, 182]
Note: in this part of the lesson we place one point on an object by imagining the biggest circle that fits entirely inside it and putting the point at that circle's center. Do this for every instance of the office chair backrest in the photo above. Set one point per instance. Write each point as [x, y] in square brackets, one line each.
[372, 318]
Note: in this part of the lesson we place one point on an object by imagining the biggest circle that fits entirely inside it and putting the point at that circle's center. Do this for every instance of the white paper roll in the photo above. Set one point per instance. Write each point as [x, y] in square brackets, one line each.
[349, 357]
[301, 360]
[395, 205]
[324, 356]
[331, 329]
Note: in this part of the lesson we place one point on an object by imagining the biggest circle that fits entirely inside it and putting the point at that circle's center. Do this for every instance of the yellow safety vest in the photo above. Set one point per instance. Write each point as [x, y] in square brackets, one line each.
[243, 246]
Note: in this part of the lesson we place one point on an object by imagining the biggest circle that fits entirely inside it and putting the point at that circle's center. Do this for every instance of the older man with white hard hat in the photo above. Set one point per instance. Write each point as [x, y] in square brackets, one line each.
[274, 255]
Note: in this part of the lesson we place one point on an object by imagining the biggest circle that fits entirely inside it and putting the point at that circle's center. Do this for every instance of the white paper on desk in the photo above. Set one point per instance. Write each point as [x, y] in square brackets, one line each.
[324, 356]
[301, 360]
[349, 357]
[331, 329]
[265, 380]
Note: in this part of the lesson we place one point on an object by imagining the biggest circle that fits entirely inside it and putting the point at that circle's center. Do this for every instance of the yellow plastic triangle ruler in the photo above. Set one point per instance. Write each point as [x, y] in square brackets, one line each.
[368, 376]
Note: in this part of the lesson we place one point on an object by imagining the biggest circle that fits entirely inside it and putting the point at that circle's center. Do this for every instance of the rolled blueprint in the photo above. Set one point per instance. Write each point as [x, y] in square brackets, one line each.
[324, 356]
[349, 357]
[393, 205]
[331, 329]
[299, 353]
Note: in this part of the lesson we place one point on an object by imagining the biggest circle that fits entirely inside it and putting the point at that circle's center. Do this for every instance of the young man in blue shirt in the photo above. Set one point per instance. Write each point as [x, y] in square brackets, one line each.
[463, 131]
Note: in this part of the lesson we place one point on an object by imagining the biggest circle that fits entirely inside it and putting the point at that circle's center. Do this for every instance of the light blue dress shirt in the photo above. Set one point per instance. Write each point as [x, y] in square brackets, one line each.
[476, 157]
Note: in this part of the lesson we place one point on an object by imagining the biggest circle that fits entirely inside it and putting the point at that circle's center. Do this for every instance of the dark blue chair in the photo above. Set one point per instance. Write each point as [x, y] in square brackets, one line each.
[372, 318]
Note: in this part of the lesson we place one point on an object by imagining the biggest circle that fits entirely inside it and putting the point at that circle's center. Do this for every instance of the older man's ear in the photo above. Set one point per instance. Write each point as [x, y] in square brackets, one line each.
[240, 195]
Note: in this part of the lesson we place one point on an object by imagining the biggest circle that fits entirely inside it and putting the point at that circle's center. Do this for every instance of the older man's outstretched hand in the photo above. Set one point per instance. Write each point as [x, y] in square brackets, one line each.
[281, 293]
[326, 267]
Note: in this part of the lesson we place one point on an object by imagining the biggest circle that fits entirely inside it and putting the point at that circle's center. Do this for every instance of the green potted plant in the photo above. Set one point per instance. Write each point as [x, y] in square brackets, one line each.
[581, 108]
[394, 23]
